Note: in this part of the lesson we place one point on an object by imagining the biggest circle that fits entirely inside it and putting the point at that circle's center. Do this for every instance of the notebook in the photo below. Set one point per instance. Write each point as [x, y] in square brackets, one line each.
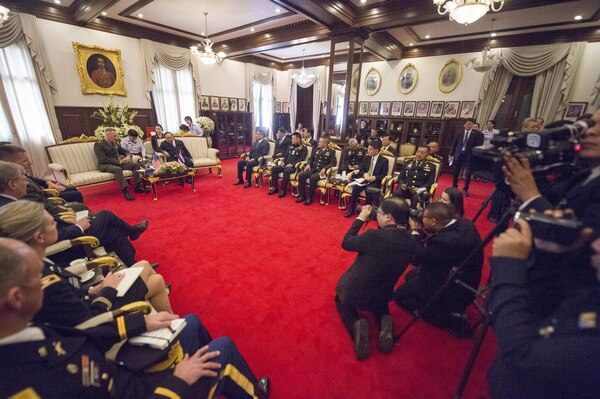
[161, 338]
[130, 275]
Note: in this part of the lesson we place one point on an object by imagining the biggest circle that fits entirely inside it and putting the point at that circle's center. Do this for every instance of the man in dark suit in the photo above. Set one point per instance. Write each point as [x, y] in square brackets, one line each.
[386, 144]
[416, 177]
[461, 152]
[260, 148]
[448, 245]
[321, 159]
[295, 153]
[108, 153]
[368, 284]
[171, 148]
[13, 182]
[308, 137]
[373, 169]
[282, 143]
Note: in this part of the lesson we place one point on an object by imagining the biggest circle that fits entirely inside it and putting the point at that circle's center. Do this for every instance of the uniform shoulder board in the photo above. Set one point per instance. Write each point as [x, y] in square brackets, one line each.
[48, 280]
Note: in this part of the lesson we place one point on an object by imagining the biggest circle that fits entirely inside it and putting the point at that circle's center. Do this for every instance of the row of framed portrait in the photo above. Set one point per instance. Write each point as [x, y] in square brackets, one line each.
[215, 103]
[420, 109]
[448, 79]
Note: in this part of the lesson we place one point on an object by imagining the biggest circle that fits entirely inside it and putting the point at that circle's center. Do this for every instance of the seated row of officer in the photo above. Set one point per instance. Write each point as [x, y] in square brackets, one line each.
[53, 361]
[416, 177]
[295, 152]
[322, 158]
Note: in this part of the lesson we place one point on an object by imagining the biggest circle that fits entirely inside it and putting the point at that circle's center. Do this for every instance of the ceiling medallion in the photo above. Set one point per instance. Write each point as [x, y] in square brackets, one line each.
[303, 78]
[467, 11]
[207, 55]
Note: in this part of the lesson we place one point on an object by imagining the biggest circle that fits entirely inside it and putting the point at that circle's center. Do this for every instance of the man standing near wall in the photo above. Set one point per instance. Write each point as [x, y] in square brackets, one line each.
[461, 153]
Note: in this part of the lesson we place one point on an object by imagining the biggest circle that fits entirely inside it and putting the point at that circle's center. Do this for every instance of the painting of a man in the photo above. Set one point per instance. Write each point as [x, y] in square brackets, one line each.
[101, 71]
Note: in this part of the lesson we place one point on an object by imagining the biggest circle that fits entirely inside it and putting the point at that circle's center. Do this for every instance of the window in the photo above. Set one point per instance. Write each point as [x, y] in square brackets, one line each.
[23, 118]
[263, 105]
[173, 96]
[516, 104]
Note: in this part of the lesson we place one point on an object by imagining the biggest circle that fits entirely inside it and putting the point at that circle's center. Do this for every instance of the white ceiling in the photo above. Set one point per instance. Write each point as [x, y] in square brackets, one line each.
[368, 2]
[63, 3]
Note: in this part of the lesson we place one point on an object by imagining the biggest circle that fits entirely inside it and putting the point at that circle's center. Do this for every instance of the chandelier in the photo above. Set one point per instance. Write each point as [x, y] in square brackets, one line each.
[467, 11]
[488, 60]
[303, 78]
[207, 55]
[3, 14]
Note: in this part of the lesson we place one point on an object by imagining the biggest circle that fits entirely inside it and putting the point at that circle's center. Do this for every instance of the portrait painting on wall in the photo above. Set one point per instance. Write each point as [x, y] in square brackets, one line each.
[450, 76]
[407, 81]
[204, 103]
[363, 108]
[409, 108]
[214, 104]
[242, 104]
[397, 108]
[422, 109]
[467, 110]
[224, 104]
[100, 70]
[437, 109]
[278, 107]
[451, 109]
[355, 81]
[373, 107]
[372, 82]
[351, 105]
[574, 111]
[384, 108]
[233, 103]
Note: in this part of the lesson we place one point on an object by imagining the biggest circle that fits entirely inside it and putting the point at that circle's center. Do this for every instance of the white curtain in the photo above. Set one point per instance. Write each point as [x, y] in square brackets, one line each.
[23, 104]
[262, 105]
[173, 95]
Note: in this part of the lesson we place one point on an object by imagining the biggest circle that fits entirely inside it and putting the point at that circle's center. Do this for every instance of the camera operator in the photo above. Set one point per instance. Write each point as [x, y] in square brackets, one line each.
[553, 276]
[450, 241]
[416, 177]
[368, 284]
[557, 357]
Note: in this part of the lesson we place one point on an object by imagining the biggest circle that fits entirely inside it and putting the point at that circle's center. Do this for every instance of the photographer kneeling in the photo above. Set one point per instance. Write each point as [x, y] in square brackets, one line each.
[557, 357]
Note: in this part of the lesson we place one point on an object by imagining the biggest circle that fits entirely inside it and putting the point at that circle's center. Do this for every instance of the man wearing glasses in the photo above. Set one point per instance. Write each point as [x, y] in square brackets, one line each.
[368, 284]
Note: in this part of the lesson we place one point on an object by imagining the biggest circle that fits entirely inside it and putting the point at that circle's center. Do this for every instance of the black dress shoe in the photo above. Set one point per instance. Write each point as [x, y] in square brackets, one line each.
[128, 196]
[361, 339]
[465, 193]
[247, 185]
[140, 189]
[349, 214]
[281, 194]
[308, 202]
[154, 265]
[263, 387]
[238, 182]
[272, 191]
[300, 199]
[385, 342]
[138, 229]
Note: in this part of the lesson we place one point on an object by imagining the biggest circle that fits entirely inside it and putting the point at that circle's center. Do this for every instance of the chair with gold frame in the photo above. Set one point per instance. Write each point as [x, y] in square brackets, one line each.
[259, 170]
[405, 150]
[323, 184]
[391, 184]
[299, 167]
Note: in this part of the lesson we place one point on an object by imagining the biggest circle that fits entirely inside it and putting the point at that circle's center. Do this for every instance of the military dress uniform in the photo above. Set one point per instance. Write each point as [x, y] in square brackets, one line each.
[108, 161]
[415, 174]
[44, 361]
[353, 158]
[294, 154]
[320, 159]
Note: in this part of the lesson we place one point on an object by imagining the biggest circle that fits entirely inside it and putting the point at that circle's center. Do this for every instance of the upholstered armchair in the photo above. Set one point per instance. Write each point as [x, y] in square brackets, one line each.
[405, 150]
[259, 170]
[299, 167]
[322, 185]
[392, 183]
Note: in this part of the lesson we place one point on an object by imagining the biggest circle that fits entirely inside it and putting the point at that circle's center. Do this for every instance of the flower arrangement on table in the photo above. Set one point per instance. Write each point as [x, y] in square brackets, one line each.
[117, 117]
[206, 124]
[171, 168]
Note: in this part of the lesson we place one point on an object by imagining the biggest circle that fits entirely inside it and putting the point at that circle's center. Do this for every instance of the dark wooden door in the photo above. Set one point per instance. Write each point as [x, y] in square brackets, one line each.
[304, 110]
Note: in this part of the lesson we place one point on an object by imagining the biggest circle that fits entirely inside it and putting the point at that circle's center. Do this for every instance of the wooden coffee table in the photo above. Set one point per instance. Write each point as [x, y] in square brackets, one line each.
[150, 180]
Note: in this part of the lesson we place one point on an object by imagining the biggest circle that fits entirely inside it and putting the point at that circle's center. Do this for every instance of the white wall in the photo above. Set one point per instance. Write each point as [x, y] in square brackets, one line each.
[227, 79]
[57, 38]
[586, 76]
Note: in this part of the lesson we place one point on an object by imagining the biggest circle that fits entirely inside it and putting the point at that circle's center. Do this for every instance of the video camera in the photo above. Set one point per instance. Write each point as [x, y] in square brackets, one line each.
[562, 231]
[546, 149]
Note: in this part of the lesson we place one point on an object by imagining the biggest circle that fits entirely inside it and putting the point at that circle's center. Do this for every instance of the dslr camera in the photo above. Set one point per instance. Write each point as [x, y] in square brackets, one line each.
[546, 149]
[562, 231]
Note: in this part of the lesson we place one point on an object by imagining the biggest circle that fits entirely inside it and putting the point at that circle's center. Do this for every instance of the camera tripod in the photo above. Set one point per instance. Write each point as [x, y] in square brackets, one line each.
[481, 330]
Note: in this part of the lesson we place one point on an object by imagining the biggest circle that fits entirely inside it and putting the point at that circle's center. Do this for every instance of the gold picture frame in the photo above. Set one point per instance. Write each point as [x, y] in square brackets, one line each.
[450, 76]
[372, 82]
[100, 70]
[408, 78]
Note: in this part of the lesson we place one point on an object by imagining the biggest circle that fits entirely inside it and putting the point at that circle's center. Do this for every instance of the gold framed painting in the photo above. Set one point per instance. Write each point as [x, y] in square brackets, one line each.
[372, 82]
[450, 76]
[407, 81]
[100, 70]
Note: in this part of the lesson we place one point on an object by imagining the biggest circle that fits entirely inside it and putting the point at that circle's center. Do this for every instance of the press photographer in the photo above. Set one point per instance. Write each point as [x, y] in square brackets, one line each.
[554, 357]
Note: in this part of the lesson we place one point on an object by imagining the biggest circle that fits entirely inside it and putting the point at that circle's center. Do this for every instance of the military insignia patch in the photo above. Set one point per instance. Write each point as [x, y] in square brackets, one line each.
[587, 320]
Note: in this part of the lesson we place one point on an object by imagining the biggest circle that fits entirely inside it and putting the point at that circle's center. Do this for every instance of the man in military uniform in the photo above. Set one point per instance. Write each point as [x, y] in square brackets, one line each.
[320, 160]
[307, 137]
[282, 143]
[434, 151]
[386, 144]
[41, 361]
[295, 153]
[107, 151]
[416, 177]
[374, 136]
[353, 156]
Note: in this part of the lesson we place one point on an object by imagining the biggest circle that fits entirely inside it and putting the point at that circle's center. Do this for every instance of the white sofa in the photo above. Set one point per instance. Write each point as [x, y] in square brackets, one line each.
[202, 156]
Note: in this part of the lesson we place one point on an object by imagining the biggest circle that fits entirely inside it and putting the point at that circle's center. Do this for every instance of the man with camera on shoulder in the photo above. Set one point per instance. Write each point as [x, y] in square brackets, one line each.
[551, 356]
[449, 243]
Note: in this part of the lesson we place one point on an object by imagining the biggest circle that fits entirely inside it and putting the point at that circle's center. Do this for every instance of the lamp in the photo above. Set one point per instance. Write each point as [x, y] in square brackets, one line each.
[467, 11]
[488, 60]
[303, 78]
[3, 14]
[207, 55]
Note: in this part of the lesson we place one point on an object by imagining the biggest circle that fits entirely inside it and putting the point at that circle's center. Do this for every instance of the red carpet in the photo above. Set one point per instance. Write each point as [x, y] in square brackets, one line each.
[263, 271]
